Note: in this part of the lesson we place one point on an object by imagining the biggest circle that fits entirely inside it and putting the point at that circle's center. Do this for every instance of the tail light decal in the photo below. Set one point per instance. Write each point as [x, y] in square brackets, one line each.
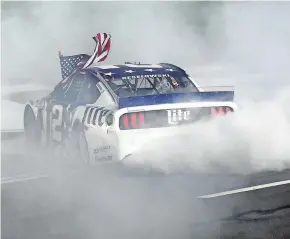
[213, 111]
[229, 110]
[125, 121]
[141, 120]
[220, 110]
[133, 120]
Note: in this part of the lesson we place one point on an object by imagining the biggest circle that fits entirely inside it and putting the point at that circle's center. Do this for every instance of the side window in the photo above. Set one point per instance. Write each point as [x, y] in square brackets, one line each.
[89, 92]
[60, 89]
[75, 87]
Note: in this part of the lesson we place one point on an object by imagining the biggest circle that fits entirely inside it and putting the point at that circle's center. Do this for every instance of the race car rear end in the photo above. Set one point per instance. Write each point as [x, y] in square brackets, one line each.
[143, 119]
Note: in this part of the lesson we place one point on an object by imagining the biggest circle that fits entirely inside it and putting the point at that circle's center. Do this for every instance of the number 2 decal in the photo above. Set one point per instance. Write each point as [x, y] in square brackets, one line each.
[57, 123]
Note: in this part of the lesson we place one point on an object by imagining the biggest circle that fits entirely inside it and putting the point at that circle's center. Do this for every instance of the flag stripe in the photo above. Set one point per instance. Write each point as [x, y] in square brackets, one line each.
[102, 49]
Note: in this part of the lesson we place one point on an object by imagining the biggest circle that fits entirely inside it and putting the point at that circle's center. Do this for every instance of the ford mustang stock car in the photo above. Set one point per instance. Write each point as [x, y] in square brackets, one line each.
[107, 112]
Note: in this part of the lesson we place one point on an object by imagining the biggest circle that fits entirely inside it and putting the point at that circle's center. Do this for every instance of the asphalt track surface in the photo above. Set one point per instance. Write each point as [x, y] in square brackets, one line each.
[49, 198]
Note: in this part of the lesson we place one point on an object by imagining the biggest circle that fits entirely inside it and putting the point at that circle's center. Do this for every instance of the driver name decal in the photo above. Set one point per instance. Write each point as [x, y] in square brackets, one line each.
[144, 76]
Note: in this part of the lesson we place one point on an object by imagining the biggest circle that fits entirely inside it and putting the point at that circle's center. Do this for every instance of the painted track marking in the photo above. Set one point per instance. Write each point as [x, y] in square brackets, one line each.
[248, 189]
[19, 179]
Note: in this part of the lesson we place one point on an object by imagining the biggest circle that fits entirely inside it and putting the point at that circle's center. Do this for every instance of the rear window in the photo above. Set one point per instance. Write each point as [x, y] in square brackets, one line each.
[149, 85]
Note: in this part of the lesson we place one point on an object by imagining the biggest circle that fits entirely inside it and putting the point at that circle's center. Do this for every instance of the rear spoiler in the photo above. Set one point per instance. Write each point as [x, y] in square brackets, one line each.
[176, 98]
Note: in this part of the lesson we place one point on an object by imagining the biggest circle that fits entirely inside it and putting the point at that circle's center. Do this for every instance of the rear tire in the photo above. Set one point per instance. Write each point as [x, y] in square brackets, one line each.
[80, 145]
[32, 128]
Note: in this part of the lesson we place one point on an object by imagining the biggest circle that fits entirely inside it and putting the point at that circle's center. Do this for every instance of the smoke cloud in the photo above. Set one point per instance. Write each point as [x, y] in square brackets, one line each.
[245, 44]
[37, 33]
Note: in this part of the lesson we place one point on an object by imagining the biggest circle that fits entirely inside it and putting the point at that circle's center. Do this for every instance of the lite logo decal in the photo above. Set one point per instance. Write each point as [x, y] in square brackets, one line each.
[176, 116]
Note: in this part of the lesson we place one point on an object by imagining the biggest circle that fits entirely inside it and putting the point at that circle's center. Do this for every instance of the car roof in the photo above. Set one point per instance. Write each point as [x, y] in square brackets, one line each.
[138, 69]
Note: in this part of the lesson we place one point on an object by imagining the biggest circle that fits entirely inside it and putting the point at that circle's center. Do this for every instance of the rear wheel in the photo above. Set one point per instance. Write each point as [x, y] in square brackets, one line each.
[32, 128]
[80, 145]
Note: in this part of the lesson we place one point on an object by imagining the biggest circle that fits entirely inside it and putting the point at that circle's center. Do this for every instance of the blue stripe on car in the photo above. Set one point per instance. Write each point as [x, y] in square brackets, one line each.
[176, 98]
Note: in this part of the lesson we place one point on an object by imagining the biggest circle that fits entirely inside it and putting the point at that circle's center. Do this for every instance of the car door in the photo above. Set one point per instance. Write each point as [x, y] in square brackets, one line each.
[89, 97]
[89, 93]
[61, 102]
[98, 101]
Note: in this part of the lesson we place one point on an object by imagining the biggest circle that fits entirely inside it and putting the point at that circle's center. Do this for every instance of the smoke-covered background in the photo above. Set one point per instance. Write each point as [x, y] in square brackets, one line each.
[244, 44]
[249, 39]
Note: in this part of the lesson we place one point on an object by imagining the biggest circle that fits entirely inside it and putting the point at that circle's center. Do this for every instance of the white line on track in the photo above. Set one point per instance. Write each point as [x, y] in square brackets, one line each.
[21, 179]
[13, 177]
[248, 189]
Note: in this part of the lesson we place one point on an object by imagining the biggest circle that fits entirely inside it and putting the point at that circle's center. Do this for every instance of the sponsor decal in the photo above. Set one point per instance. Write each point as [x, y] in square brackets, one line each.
[144, 76]
[95, 115]
[178, 115]
[103, 158]
[101, 149]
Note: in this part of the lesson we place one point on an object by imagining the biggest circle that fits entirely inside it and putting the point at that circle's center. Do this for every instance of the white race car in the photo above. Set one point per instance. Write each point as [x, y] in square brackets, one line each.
[107, 112]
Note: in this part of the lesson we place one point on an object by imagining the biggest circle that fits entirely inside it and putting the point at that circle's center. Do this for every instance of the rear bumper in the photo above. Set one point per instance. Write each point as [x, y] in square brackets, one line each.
[133, 142]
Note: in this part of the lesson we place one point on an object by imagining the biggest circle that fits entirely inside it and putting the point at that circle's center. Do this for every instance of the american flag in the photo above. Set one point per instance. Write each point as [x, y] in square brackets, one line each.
[102, 49]
[69, 63]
